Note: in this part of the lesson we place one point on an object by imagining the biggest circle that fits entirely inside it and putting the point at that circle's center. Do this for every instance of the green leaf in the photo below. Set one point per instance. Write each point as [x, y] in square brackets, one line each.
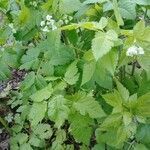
[103, 42]
[127, 9]
[112, 121]
[72, 75]
[43, 131]
[35, 141]
[58, 110]
[60, 138]
[28, 81]
[37, 113]
[24, 16]
[88, 105]
[88, 71]
[42, 94]
[143, 104]
[114, 136]
[143, 2]
[123, 91]
[26, 146]
[140, 147]
[105, 69]
[30, 58]
[139, 29]
[117, 13]
[114, 99]
[69, 6]
[142, 134]
[80, 128]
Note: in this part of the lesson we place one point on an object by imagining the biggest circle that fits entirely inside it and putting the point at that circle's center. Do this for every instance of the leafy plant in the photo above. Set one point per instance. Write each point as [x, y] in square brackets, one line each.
[82, 74]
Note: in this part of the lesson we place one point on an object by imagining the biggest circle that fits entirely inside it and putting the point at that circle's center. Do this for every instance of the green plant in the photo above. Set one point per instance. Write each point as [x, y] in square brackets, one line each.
[87, 82]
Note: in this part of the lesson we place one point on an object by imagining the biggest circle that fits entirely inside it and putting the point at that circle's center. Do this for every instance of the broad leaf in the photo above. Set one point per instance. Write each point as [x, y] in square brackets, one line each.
[88, 71]
[103, 42]
[72, 75]
[80, 128]
[87, 105]
[37, 113]
[42, 94]
[43, 131]
[58, 110]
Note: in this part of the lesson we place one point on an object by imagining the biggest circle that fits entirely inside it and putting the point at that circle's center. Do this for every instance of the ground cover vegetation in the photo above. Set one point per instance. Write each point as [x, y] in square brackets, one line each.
[75, 74]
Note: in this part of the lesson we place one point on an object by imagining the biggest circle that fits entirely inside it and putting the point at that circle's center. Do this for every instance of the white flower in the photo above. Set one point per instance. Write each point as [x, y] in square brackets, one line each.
[52, 21]
[9, 117]
[42, 23]
[34, 4]
[14, 30]
[66, 21]
[140, 51]
[48, 23]
[48, 18]
[61, 22]
[134, 50]
[45, 29]
[54, 27]
[70, 18]
[11, 25]
[65, 16]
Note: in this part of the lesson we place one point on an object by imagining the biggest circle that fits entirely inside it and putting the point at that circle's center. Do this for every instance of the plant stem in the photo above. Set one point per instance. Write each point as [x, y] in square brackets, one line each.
[133, 68]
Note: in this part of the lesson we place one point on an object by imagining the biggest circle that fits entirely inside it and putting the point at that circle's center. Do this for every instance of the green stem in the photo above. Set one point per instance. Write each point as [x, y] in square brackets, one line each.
[145, 13]
[133, 68]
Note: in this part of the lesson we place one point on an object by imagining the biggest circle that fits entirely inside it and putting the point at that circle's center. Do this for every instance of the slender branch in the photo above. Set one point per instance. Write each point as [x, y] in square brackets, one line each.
[133, 68]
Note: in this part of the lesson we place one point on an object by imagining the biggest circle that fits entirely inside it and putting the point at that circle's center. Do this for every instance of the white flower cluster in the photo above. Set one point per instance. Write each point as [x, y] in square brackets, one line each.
[11, 25]
[9, 117]
[66, 19]
[48, 24]
[34, 4]
[134, 51]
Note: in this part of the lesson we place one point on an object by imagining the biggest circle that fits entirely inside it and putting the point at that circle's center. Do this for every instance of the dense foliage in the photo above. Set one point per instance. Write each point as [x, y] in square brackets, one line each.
[75, 74]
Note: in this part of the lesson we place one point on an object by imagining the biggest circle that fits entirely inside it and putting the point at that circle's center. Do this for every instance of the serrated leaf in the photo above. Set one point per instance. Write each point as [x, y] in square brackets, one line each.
[30, 58]
[80, 128]
[112, 121]
[142, 134]
[143, 2]
[114, 99]
[94, 1]
[88, 105]
[26, 146]
[37, 112]
[123, 91]
[140, 147]
[88, 71]
[28, 81]
[103, 42]
[35, 141]
[72, 75]
[42, 94]
[117, 13]
[58, 110]
[60, 138]
[143, 104]
[43, 131]
[69, 6]
[105, 69]
[127, 9]
[24, 16]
